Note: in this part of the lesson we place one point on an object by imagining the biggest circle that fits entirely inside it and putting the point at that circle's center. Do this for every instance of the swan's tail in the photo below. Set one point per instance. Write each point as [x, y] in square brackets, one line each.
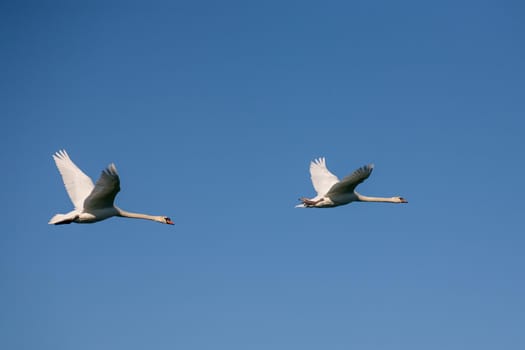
[61, 219]
[300, 205]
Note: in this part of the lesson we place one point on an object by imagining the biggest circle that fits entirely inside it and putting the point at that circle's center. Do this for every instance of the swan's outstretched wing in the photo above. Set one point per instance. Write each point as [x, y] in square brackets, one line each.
[350, 182]
[106, 188]
[78, 185]
[322, 178]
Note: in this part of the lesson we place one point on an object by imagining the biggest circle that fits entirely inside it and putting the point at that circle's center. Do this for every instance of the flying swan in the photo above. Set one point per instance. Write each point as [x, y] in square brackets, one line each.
[92, 202]
[332, 193]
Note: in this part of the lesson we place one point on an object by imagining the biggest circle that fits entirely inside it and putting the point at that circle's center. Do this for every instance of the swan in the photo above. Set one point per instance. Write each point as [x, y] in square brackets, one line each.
[331, 192]
[92, 202]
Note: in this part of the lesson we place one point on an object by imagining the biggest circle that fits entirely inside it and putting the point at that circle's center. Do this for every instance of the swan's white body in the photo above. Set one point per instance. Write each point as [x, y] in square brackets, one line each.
[92, 202]
[332, 192]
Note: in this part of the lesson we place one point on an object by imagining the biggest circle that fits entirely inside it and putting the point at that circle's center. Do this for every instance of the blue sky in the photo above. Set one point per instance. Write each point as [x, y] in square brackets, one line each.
[212, 112]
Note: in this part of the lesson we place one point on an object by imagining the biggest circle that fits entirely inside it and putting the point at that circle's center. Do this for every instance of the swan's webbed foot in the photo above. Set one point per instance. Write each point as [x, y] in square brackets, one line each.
[65, 222]
[309, 203]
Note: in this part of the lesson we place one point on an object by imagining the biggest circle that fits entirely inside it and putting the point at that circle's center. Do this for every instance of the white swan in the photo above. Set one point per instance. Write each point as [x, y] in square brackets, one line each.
[332, 193]
[92, 202]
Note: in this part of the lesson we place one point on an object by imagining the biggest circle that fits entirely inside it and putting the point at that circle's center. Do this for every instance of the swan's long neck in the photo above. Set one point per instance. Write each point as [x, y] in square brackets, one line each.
[362, 198]
[128, 214]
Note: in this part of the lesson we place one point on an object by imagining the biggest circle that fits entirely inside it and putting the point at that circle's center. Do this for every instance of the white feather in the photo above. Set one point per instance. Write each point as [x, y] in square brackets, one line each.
[322, 178]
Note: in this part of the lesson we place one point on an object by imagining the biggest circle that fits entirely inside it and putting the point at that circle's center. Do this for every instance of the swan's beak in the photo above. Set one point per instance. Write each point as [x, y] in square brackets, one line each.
[403, 200]
[169, 222]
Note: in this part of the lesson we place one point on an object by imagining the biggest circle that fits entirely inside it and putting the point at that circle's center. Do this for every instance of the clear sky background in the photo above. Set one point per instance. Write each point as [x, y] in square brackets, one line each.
[212, 112]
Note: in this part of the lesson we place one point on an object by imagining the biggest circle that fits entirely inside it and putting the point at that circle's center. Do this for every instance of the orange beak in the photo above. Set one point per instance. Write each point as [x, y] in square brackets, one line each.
[169, 222]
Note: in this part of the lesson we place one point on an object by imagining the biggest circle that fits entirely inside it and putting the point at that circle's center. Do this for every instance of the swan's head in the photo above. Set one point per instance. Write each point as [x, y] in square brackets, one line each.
[400, 200]
[166, 220]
